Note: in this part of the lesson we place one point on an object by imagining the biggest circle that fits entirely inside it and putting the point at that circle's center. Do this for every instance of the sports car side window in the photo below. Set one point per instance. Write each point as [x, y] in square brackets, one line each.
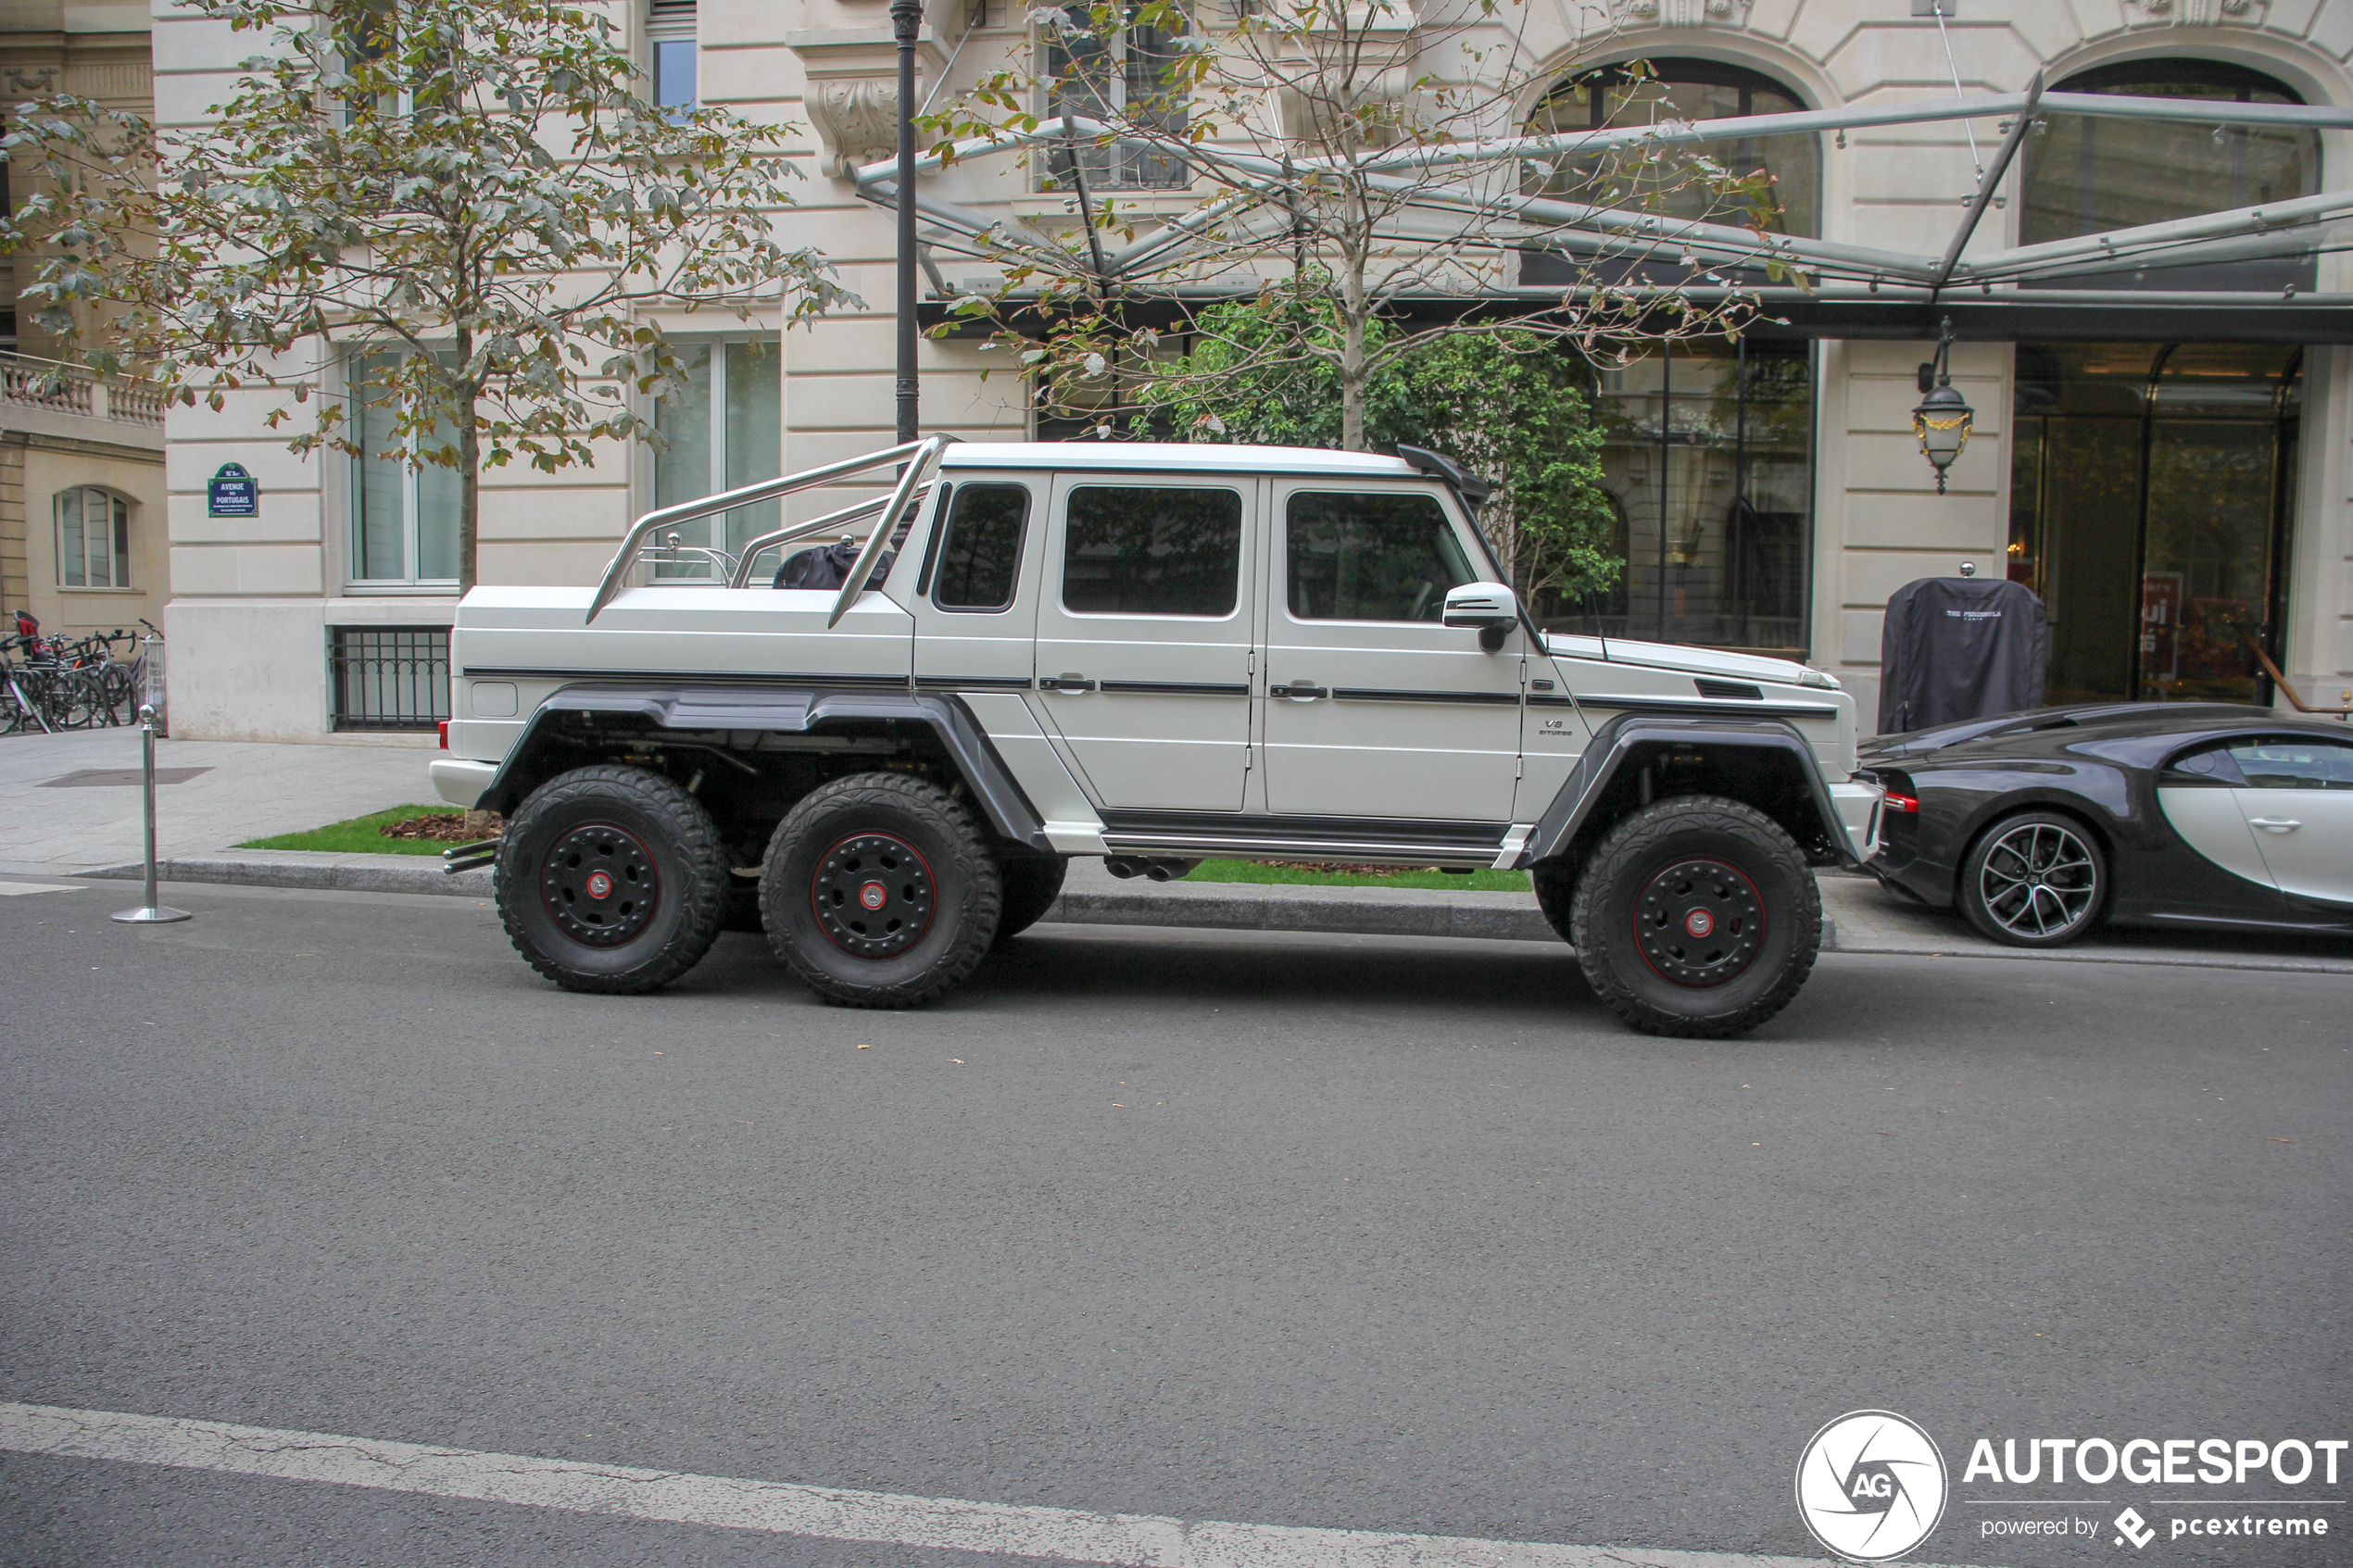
[2212, 766]
[2295, 762]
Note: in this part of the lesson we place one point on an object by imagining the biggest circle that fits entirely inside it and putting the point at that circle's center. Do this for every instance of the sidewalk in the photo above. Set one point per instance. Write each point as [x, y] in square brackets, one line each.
[252, 791]
[241, 790]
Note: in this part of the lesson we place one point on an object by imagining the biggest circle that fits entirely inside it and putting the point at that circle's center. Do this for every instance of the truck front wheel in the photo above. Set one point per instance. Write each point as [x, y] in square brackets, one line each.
[1696, 917]
[612, 880]
[879, 891]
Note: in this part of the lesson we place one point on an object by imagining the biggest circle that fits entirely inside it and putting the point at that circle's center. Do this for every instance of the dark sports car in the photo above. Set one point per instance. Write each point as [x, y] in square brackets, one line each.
[2038, 826]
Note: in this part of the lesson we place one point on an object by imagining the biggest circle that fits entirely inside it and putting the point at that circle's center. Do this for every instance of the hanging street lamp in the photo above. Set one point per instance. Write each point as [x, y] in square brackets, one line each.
[1942, 421]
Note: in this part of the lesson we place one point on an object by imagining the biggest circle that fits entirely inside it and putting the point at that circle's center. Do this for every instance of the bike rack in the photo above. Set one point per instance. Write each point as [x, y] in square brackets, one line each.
[920, 458]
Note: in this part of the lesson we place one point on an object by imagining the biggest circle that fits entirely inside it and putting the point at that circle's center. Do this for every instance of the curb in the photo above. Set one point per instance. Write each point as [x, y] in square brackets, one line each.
[339, 873]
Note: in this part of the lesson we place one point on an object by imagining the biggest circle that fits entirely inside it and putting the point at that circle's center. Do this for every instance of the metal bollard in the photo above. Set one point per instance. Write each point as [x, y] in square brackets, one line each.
[151, 912]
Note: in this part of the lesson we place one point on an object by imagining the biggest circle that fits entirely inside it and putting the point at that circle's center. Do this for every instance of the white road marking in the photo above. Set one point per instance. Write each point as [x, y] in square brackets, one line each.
[11, 889]
[825, 1512]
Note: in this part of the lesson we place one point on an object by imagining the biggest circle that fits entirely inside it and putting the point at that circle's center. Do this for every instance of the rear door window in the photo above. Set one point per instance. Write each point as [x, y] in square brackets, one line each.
[1376, 557]
[1152, 550]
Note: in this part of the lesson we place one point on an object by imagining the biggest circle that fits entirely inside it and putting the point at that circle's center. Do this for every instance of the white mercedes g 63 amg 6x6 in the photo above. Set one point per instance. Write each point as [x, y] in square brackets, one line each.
[1148, 653]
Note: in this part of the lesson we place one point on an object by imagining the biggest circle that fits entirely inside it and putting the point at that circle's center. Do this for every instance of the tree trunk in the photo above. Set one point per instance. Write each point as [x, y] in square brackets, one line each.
[462, 400]
[1352, 355]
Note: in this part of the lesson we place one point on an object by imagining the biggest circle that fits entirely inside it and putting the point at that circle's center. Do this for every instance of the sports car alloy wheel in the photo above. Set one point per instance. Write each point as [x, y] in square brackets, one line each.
[2036, 880]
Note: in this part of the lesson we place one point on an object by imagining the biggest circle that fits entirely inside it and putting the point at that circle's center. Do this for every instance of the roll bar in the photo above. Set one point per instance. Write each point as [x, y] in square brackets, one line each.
[919, 457]
[742, 574]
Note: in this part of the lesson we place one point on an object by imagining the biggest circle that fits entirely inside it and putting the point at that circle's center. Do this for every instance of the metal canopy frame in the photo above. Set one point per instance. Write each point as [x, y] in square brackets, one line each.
[1221, 228]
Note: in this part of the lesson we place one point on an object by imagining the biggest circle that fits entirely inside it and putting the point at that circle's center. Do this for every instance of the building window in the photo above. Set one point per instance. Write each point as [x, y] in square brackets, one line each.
[93, 538]
[1123, 74]
[388, 677]
[1709, 463]
[670, 29]
[724, 431]
[2086, 176]
[404, 510]
[1683, 90]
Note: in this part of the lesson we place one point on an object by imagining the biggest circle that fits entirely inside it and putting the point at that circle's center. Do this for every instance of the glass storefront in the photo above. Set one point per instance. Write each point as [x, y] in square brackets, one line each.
[1710, 466]
[2152, 491]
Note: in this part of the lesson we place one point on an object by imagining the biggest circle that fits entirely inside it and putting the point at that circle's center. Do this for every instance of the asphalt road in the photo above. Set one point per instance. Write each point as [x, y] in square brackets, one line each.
[1321, 1231]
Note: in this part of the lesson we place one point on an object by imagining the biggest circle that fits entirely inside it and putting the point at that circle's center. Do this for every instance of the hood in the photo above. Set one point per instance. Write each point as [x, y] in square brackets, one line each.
[1688, 660]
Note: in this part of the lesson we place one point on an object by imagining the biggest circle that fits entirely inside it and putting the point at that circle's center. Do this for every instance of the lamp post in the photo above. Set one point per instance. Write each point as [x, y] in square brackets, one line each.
[1942, 421]
[906, 22]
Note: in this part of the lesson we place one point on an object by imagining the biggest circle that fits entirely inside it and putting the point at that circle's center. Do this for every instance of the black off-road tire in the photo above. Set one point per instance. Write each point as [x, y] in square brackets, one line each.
[1555, 887]
[664, 893]
[879, 891]
[1032, 884]
[1696, 917]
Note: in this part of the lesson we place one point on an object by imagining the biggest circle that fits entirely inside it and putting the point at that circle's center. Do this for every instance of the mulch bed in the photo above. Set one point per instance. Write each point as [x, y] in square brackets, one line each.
[1349, 868]
[447, 827]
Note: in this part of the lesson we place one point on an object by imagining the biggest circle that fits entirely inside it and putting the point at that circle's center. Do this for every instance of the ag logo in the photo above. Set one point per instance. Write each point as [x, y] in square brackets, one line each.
[1871, 1485]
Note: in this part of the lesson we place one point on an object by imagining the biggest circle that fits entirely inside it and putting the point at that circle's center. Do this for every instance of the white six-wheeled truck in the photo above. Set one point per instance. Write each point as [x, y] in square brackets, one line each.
[1148, 653]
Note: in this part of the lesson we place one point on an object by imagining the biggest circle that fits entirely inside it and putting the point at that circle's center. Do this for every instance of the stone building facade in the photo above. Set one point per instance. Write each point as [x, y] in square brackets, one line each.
[82, 536]
[2166, 469]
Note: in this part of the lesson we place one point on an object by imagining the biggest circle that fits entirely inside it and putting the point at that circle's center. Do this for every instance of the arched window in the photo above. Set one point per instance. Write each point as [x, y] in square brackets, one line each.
[2086, 176]
[1648, 92]
[93, 538]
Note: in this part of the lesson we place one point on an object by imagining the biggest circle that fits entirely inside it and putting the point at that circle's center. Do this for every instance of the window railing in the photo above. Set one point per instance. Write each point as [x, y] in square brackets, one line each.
[389, 677]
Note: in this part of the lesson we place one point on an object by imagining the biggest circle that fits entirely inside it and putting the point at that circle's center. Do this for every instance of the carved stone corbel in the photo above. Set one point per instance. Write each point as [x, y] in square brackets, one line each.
[1681, 12]
[2192, 13]
[853, 91]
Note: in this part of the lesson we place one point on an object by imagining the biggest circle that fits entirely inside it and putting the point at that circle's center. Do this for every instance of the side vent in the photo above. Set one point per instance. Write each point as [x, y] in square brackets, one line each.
[1740, 689]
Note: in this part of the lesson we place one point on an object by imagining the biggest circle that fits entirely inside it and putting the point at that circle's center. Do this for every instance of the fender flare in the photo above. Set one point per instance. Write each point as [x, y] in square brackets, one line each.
[1618, 742]
[798, 709]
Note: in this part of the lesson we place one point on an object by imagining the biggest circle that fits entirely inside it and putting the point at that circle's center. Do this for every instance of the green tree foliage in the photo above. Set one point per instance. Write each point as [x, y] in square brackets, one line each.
[1514, 408]
[479, 188]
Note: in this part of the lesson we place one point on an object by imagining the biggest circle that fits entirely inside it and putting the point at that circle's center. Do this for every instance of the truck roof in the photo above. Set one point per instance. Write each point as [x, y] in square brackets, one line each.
[1171, 456]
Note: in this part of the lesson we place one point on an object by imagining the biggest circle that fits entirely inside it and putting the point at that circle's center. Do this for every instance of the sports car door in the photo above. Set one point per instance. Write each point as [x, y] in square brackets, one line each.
[1374, 707]
[1144, 636]
[2300, 803]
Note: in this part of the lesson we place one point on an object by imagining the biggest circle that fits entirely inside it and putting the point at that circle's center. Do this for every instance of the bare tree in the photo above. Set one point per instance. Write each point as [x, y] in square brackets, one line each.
[1347, 161]
[476, 191]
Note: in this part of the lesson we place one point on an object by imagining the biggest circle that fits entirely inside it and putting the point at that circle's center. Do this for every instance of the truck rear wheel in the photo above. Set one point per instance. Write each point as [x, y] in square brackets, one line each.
[879, 891]
[612, 880]
[1696, 917]
[1032, 884]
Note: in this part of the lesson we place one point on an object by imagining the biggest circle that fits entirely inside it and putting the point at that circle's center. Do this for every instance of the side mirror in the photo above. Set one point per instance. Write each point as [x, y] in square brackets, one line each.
[1490, 609]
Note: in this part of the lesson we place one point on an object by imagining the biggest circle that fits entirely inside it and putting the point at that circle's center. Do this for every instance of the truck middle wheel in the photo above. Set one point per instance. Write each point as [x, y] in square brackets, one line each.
[879, 891]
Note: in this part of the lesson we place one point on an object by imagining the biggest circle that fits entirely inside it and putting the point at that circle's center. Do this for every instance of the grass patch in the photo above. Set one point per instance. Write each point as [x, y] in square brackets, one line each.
[1254, 870]
[360, 834]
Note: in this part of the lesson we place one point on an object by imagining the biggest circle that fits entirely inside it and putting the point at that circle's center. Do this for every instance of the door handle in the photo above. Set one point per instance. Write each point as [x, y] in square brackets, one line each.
[1302, 692]
[2276, 824]
[1065, 682]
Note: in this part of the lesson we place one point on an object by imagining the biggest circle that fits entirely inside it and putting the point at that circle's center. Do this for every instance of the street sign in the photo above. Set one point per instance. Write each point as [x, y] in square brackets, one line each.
[232, 492]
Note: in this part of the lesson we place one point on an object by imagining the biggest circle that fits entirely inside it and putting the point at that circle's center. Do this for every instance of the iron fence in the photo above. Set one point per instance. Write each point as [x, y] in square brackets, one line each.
[389, 677]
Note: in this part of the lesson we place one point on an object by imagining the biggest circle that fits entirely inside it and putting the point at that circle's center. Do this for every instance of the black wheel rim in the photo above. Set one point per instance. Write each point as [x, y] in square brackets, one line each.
[2038, 881]
[1700, 924]
[873, 895]
[599, 885]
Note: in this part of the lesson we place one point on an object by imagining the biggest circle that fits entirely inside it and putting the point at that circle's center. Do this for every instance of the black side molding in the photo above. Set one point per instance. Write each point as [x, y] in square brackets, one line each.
[1617, 741]
[785, 710]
